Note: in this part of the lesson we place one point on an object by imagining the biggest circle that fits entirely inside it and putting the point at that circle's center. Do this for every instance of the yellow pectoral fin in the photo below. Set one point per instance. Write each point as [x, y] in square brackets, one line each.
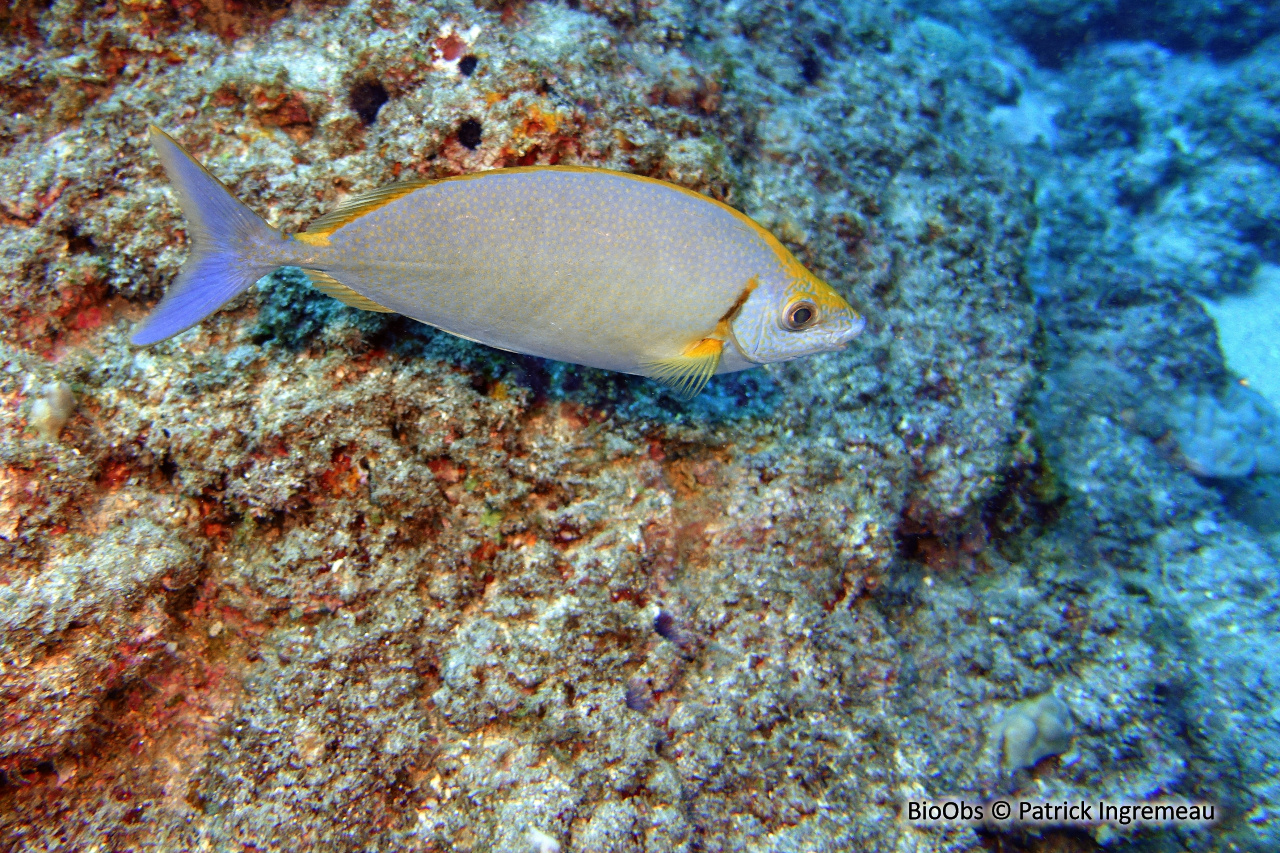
[688, 372]
[326, 283]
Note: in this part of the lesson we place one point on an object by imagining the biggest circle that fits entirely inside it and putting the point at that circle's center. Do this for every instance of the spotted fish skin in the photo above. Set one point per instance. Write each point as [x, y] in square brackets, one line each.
[594, 268]
[588, 266]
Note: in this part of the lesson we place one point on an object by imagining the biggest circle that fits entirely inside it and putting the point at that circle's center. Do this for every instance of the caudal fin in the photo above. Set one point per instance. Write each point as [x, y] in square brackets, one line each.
[223, 235]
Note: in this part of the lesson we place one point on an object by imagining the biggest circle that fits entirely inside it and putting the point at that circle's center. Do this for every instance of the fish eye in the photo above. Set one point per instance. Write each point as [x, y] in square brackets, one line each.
[800, 315]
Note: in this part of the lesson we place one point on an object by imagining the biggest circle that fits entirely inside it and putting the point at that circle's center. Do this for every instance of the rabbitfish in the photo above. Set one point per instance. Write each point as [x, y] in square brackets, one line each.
[582, 265]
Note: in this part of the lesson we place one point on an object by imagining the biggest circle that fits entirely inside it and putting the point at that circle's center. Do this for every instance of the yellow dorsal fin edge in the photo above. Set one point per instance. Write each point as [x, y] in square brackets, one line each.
[354, 208]
[326, 283]
[689, 372]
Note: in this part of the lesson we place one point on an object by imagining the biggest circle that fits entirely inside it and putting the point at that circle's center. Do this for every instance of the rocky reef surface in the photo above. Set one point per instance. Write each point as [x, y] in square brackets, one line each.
[305, 577]
[1157, 188]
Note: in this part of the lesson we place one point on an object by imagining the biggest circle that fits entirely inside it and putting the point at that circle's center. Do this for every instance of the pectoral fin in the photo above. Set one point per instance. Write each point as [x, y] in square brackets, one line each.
[326, 283]
[688, 372]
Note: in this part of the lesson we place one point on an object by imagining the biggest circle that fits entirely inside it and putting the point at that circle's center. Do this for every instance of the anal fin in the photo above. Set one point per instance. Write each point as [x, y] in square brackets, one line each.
[327, 284]
[689, 372]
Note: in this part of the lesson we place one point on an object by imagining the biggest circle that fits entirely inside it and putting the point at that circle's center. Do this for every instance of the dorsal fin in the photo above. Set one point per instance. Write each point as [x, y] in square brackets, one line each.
[354, 208]
[688, 372]
[326, 283]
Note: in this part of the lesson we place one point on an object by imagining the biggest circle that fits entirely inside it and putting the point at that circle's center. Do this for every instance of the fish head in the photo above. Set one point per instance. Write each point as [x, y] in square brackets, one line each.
[790, 314]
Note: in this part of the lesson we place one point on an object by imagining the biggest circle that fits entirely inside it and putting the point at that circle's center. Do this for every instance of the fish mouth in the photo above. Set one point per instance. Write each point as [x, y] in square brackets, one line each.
[856, 325]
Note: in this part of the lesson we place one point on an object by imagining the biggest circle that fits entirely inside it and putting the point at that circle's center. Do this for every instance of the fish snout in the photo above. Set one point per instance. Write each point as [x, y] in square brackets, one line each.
[856, 323]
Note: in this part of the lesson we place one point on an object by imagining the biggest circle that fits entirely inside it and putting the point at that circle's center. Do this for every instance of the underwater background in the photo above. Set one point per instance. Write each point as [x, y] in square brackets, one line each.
[309, 578]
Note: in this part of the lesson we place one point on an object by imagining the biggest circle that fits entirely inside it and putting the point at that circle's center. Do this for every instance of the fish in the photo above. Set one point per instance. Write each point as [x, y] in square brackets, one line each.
[590, 266]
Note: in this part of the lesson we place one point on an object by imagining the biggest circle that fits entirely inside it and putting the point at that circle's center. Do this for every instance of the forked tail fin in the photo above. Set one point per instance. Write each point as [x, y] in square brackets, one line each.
[226, 241]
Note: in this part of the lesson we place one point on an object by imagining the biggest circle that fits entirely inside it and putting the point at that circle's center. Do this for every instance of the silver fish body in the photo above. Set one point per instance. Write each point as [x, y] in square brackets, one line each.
[580, 265]
[594, 268]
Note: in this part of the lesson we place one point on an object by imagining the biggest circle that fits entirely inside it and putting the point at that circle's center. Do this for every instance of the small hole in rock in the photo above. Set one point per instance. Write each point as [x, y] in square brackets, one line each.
[367, 97]
[77, 242]
[469, 133]
[467, 65]
[811, 68]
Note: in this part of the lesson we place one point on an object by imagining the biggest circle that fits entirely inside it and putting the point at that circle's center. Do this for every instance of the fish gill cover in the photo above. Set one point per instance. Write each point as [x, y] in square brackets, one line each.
[306, 576]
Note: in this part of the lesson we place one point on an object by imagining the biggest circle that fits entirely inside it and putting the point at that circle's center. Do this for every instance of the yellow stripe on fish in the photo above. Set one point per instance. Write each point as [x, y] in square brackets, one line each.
[589, 266]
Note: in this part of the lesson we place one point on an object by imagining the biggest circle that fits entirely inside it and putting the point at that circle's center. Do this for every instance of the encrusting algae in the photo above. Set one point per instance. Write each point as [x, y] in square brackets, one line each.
[589, 266]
